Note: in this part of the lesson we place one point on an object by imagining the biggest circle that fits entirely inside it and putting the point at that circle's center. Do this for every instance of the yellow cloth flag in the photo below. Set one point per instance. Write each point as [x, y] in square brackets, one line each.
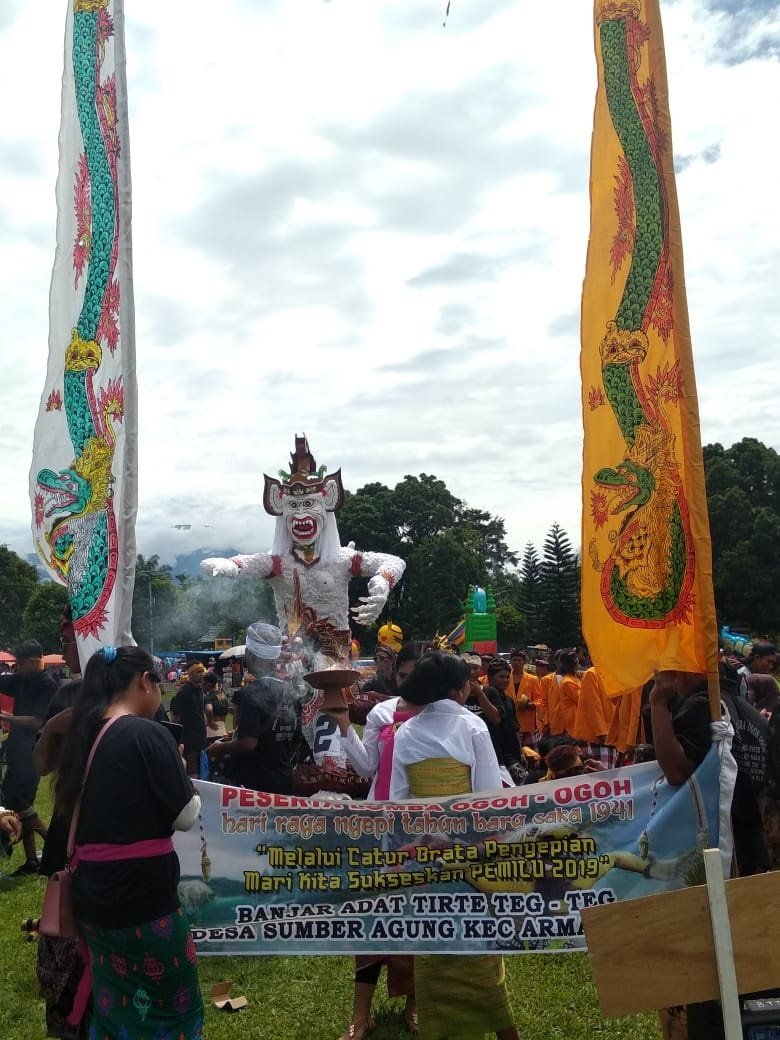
[647, 599]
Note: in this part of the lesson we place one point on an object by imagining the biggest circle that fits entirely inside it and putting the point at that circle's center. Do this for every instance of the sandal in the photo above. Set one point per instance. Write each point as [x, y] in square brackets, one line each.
[358, 1030]
[412, 1024]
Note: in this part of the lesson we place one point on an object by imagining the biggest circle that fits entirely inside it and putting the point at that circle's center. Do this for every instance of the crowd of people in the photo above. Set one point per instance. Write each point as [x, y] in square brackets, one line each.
[432, 722]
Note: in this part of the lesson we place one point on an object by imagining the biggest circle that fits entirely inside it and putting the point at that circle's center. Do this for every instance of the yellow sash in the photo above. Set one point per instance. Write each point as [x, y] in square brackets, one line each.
[438, 776]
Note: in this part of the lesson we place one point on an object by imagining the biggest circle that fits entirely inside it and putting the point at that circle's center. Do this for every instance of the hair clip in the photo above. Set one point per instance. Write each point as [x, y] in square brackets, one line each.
[109, 654]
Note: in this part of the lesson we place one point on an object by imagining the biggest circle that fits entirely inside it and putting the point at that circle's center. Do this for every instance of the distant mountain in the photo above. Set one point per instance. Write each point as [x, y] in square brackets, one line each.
[35, 560]
[189, 563]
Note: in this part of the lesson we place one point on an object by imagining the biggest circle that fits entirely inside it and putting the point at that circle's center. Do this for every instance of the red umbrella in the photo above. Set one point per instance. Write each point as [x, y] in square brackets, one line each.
[7, 658]
[53, 659]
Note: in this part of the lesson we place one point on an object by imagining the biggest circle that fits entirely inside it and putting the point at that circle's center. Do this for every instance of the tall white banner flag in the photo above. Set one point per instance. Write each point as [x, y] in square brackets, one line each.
[84, 475]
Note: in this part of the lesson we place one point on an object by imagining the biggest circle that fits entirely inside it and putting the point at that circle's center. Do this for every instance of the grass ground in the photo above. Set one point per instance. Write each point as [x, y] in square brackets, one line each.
[310, 998]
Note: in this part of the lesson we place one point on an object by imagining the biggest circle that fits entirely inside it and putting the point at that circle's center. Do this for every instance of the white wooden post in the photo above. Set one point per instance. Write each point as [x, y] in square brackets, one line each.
[724, 951]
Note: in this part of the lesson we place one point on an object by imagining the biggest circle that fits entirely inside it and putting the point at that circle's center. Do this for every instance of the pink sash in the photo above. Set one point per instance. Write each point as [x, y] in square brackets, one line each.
[387, 742]
[97, 853]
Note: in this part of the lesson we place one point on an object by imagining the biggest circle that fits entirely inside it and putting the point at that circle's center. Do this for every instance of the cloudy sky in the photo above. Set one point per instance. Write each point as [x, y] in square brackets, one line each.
[354, 222]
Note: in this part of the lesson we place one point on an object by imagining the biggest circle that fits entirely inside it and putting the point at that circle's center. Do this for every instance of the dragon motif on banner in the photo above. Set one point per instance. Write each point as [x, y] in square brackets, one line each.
[647, 576]
[75, 526]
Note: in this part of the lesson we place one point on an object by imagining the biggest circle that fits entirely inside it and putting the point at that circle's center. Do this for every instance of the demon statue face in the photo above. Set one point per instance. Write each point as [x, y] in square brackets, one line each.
[303, 498]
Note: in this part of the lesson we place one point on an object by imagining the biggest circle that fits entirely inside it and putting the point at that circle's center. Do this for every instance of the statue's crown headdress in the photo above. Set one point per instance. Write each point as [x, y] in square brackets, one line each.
[304, 478]
[304, 475]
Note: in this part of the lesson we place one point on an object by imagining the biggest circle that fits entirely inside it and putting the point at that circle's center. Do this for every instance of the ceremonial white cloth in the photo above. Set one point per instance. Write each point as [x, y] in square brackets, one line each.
[365, 754]
[445, 729]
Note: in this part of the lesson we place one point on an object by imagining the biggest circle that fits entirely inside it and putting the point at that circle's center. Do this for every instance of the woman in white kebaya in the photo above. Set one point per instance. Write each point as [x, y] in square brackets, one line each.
[442, 751]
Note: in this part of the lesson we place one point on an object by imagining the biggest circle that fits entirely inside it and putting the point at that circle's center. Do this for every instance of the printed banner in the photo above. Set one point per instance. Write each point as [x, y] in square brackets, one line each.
[83, 480]
[510, 871]
[647, 598]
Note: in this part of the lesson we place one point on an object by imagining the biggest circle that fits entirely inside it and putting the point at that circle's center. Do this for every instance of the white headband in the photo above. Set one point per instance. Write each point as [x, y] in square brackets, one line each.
[264, 641]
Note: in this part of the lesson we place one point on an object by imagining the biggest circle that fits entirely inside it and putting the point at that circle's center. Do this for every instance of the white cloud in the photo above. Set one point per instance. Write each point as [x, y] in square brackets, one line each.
[351, 221]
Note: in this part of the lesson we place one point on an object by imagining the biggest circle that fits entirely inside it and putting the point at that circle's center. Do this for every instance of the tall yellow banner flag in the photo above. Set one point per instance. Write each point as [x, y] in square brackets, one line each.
[647, 599]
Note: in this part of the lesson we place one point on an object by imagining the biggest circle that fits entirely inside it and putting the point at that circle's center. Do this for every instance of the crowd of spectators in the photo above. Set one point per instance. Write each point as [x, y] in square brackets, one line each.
[486, 721]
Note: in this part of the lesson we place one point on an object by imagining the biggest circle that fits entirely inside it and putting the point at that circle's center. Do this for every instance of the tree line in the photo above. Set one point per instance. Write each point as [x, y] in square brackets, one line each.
[448, 545]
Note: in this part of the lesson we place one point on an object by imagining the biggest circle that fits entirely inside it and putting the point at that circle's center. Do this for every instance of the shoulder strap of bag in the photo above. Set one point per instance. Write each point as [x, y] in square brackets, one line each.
[75, 818]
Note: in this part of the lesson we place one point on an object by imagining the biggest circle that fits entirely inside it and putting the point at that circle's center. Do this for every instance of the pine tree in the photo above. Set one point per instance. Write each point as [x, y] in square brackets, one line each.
[560, 607]
[530, 591]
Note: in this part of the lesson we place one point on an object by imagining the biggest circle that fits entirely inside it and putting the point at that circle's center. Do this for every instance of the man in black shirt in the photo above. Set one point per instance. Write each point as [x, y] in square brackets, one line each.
[268, 731]
[505, 735]
[680, 718]
[188, 709]
[477, 702]
[496, 710]
[31, 689]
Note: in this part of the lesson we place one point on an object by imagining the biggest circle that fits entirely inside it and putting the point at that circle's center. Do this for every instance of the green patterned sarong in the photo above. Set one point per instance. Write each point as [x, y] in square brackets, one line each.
[145, 981]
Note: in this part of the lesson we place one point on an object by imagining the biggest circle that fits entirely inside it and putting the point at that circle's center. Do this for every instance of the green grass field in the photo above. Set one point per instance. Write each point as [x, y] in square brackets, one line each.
[310, 998]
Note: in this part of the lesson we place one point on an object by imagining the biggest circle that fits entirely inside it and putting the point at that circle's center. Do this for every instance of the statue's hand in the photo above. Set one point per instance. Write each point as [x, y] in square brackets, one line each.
[215, 567]
[368, 610]
[370, 606]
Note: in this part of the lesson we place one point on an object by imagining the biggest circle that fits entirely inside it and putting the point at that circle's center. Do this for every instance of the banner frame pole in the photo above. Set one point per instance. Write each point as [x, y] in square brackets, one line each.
[713, 690]
[724, 949]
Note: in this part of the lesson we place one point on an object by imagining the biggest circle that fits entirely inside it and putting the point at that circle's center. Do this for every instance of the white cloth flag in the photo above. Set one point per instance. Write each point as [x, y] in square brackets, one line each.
[83, 479]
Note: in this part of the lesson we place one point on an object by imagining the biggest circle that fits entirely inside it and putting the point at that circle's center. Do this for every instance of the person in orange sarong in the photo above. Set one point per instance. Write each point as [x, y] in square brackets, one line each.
[564, 694]
[594, 714]
[624, 728]
[545, 675]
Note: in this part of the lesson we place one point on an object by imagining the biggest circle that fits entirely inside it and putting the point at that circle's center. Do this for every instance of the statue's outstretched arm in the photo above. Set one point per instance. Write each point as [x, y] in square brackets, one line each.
[260, 564]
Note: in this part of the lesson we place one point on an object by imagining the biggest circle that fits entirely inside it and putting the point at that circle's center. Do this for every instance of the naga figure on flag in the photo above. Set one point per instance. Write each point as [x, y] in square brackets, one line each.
[83, 476]
[308, 567]
[646, 560]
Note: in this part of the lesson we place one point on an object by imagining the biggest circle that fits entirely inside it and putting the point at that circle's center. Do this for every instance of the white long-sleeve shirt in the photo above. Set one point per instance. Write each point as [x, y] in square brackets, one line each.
[365, 754]
[445, 729]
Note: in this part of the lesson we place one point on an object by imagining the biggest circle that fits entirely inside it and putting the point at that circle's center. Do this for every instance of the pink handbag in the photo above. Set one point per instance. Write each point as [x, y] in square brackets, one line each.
[57, 911]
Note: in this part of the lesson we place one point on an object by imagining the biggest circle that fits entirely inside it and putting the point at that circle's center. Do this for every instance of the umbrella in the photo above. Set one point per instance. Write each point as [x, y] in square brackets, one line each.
[53, 659]
[234, 651]
[7, 658]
